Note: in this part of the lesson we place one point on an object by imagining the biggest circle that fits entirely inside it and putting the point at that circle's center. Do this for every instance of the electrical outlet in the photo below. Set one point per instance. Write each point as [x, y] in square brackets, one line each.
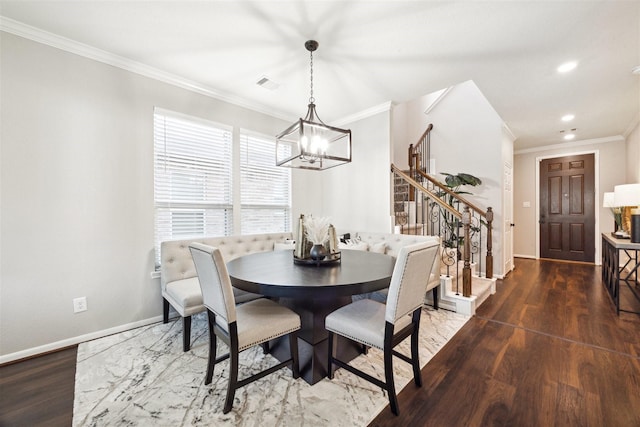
[79, 304]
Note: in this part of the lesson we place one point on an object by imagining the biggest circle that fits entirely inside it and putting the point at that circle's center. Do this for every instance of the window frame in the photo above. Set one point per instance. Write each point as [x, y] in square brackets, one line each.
[215, 204]
[244, 138]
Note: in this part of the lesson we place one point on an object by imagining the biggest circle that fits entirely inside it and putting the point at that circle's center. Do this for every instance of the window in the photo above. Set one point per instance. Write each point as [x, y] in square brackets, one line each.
[265, 188]
[192, 178]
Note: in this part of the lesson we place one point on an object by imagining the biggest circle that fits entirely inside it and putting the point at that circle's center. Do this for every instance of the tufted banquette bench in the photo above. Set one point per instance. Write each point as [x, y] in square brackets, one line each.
[391, 244]
[179, 280]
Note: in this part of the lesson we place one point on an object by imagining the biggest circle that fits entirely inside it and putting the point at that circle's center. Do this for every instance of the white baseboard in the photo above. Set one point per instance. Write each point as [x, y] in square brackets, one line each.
[597, 261]
[524, 256]
[6, 358]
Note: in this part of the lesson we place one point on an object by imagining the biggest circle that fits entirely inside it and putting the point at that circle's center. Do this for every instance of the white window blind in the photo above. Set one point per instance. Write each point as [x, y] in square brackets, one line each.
[192, 178]
[265, 188]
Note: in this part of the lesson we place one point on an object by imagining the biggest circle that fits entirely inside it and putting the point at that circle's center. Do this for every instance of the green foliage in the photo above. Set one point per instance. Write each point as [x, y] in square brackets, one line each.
[454, 183]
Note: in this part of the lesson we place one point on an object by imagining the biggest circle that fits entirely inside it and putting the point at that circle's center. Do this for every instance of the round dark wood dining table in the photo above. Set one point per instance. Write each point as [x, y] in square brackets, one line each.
[313, 291]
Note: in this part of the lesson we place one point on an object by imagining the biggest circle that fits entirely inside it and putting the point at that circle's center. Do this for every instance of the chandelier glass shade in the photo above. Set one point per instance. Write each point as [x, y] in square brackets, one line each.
[309, 143]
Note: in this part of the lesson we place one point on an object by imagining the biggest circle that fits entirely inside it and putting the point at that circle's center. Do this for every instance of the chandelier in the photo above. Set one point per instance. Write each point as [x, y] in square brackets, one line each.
[309, 143]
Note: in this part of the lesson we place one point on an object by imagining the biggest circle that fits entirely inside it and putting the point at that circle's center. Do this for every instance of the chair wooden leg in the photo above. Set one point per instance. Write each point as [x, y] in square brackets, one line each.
[415, 358]
[295, 362]
[434, 293]
[213, 348]
[330, 356]
[415, 355]
[165, 311]
[186, 333]
[388, 374]
[233, 379]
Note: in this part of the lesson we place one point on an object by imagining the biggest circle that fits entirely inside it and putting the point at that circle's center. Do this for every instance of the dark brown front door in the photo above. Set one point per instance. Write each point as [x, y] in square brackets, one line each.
[567, 211]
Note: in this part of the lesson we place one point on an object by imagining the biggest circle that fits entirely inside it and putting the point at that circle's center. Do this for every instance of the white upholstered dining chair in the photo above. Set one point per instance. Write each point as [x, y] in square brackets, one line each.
[240, 327]
[375, 324]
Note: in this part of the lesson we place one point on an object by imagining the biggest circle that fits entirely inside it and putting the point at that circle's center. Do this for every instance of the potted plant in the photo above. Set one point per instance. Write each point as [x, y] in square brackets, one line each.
[451, 237]
[317, 231]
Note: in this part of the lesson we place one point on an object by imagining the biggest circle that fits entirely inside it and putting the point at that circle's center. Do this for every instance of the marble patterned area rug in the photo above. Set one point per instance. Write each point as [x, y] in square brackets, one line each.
[142, 377]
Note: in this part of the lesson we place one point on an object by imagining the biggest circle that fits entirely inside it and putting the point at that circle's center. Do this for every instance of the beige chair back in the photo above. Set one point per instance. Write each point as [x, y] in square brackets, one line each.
[217, 293]
[409, 280]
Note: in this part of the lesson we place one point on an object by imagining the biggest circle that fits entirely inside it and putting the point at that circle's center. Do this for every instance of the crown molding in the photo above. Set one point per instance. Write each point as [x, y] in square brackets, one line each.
[68, 45]
[632, 125]
[508, 130]
[385, 106]
[439, 98]
[615, 138]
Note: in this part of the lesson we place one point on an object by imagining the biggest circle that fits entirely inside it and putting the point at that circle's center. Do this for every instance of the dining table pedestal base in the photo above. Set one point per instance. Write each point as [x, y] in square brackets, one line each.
[313, 343]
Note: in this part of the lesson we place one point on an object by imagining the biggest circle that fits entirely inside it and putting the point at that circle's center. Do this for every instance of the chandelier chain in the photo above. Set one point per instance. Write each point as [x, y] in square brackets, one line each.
[309, 143]
[311, 98]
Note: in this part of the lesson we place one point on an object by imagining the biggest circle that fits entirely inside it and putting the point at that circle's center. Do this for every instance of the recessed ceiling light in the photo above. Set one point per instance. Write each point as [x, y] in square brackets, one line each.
[569, 136]
[567, 66]
[568, 117]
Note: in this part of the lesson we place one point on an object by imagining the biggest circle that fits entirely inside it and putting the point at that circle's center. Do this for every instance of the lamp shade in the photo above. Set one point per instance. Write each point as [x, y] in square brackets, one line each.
[627, 195]
[608, 201]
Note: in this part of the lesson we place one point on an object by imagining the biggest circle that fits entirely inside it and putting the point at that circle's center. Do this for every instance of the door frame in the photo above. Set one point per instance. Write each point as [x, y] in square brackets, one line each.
[596, 163]
[508, 230]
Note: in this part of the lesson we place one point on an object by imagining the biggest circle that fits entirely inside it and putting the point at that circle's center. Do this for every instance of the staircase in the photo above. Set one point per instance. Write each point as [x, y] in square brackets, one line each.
[407, 212]
[400, 203]
[450, 296]
[424, 206]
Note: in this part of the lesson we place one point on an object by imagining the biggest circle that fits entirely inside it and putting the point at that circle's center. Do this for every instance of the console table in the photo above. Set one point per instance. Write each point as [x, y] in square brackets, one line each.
[614, 273]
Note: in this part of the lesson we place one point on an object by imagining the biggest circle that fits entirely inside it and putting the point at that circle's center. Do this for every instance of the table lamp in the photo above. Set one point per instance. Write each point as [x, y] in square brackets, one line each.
[608, 201]
[628, 195]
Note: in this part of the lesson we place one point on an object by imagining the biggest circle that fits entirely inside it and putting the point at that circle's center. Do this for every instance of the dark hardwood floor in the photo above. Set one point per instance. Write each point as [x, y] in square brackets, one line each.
[546, 350]
[38, 391]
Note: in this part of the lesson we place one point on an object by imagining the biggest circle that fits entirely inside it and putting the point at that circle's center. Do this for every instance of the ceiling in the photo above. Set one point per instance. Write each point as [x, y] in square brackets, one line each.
[372, 52]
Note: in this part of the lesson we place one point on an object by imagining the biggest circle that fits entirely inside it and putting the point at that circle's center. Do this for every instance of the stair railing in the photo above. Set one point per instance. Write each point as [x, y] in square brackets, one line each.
[478, 219]
[436, 210]
[419, 155]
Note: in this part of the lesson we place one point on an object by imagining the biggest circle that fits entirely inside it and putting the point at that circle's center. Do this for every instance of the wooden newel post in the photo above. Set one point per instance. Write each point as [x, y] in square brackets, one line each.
[466, 270]
[489, 239]
[412, 172]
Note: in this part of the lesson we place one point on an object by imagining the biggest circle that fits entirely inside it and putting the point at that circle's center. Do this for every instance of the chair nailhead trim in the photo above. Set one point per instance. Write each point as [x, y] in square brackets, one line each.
[361, 341]
[271, 337]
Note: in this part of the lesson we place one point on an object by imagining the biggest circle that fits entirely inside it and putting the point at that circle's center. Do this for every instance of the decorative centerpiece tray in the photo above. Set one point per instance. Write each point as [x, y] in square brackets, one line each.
[329, 259]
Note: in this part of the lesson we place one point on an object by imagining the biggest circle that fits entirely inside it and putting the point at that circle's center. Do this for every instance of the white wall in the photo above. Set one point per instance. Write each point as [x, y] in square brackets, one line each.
[610, 172]
[358, 195]
[467, 137]
[77, 191]
[633, 156]
[399, 139]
